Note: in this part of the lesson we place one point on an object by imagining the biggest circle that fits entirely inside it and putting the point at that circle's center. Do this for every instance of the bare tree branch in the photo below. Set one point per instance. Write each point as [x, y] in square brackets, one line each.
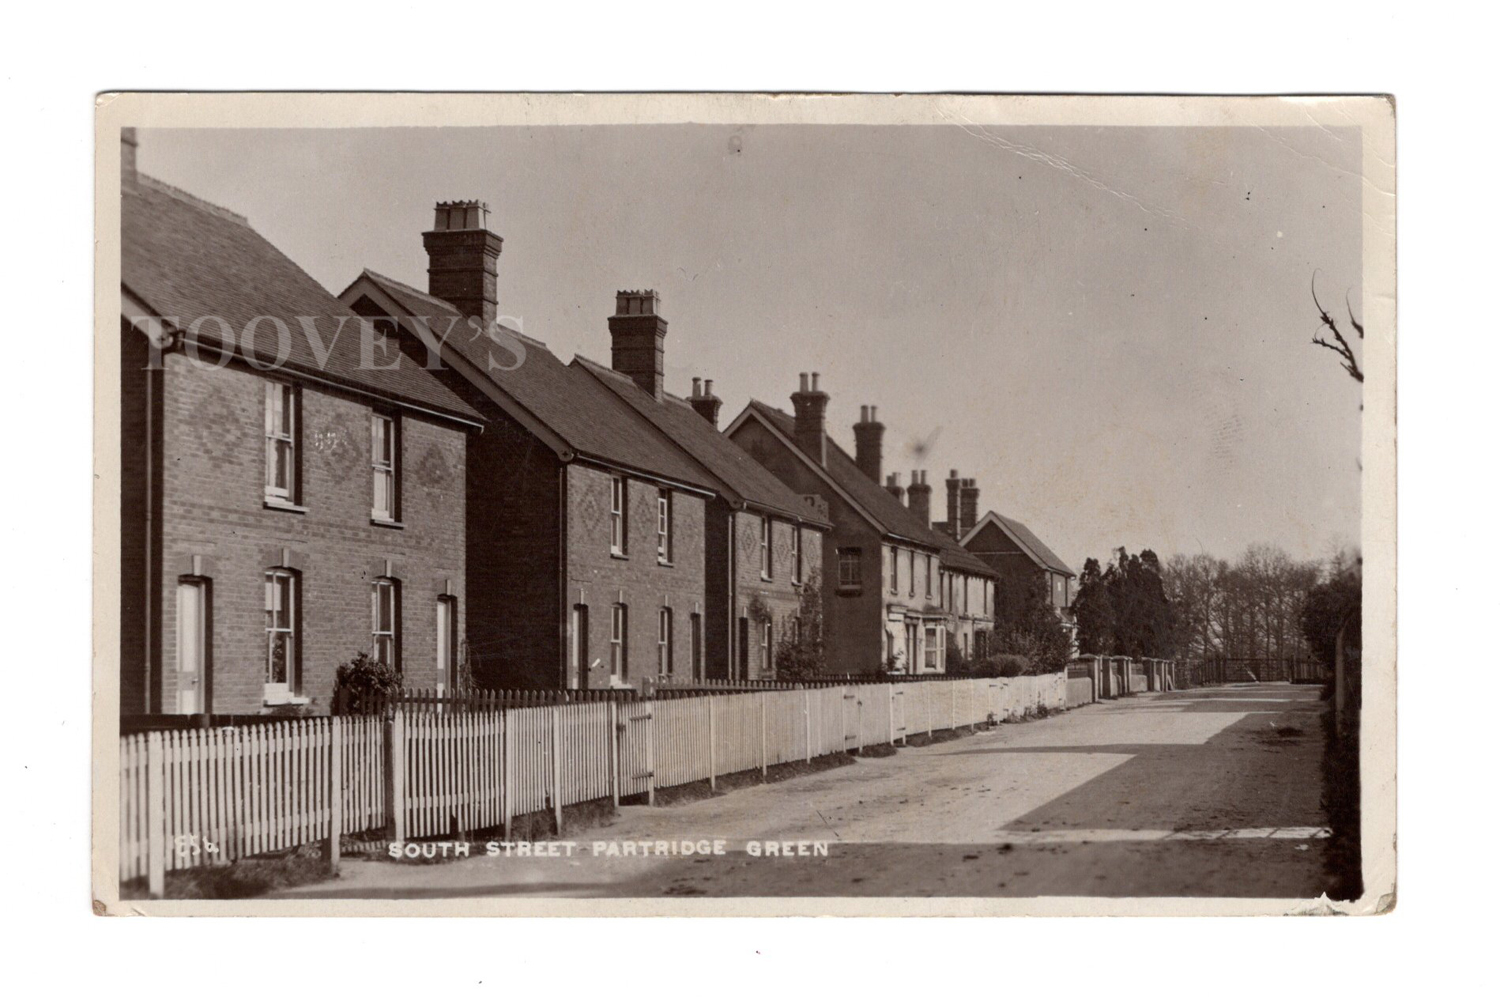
[1343, 349]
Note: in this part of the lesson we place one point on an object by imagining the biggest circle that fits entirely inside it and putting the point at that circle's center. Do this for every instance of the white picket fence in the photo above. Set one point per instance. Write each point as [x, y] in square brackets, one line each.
[198, 797]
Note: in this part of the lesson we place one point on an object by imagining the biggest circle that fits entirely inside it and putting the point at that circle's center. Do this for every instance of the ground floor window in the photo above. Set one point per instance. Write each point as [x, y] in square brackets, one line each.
[695, 622]
[281, 631]
[930, 657]
[385, 622]
[767, 662]
[664, 643]
[618, 642]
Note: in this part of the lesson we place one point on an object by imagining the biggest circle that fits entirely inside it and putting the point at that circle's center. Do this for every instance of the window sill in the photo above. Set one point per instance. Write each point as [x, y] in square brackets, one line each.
[663, 562]
[851, 590]
[390, 524]
[282, 505]
[618, 556]
[281, 697]
[766, 578]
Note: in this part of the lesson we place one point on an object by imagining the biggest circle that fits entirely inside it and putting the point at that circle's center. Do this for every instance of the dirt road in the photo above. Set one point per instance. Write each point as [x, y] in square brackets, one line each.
[1201, 793]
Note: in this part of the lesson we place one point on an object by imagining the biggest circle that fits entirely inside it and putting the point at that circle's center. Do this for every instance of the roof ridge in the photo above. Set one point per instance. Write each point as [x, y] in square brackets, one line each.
[409, 289]
[190, 199]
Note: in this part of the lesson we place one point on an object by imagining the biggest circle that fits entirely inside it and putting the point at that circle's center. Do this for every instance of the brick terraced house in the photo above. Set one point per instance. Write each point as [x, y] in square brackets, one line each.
[764, 542]
[277, 518]
[895, 589]
[586, 525]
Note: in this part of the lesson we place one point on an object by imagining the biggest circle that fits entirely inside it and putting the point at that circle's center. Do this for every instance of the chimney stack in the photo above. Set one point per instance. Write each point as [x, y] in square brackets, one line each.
[968, 506]
[919, 497]
[637, 339]
[893, 484]
[868, 434]
[462, 258]
[953, 486]
[127, 158]
[704, 401]
[811, 406]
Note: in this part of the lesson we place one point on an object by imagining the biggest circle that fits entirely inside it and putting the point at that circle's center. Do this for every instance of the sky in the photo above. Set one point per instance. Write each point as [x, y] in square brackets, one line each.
[1108, 327]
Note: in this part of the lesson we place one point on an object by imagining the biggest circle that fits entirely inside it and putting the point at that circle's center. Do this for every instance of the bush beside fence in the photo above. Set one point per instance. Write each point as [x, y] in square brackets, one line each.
[200, 797]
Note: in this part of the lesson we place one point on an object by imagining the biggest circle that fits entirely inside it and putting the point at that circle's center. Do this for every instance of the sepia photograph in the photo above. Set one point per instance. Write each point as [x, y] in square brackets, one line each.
[724, 504]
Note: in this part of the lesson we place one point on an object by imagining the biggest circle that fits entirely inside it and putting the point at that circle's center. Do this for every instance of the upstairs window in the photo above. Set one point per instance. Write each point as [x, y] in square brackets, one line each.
[765, 546]
[281, 441]
[851, 572]
[796, 553]
[895, 570]
[664, 526]
[928, 565]
[911, 573]
[617, 504]
[383, 450]
[385, 622]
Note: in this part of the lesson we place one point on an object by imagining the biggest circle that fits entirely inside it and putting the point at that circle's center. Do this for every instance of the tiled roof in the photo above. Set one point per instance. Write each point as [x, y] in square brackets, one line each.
[186, 259]
[568, 400]
[738, 472]
[1028, 542]
[878, 503]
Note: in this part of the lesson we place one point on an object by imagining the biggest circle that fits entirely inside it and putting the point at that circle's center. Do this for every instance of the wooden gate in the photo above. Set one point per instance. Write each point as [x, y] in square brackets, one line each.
[635, 749]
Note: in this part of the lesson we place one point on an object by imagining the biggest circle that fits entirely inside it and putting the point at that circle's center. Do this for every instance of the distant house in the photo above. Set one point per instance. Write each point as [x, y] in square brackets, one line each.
[279, 513]
[1019, 557]
[893, 590]
[586, 526]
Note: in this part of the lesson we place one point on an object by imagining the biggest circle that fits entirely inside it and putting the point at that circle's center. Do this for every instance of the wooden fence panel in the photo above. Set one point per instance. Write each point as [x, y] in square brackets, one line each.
[682, 752]
[585, 751]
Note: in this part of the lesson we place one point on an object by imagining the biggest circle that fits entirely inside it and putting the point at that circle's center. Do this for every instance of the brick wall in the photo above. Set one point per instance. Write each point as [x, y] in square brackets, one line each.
[514, 556]
[212, 507]
[778, 596]
[598, 579]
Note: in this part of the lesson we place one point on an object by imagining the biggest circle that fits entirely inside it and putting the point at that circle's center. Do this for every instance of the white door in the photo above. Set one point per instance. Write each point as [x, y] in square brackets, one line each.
[191, 645]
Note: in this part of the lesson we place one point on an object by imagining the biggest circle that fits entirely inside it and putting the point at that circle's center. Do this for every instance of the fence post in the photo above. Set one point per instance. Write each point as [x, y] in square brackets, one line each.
[614, 752]
[650, 756]
[557, 715]
[508, 771]
[335, 792]
[395, 775]
[156, 827]
[953, 706]
[713, 761]
[890, 711]
[807, 721]
[762, 698]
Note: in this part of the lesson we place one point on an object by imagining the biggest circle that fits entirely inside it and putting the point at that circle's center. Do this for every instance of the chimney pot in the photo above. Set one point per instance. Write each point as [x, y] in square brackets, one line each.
[811, 407]
[919, 497]
[869, 437]
[637, 334]
[968, 510]
[704, 402]
[462, 258]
